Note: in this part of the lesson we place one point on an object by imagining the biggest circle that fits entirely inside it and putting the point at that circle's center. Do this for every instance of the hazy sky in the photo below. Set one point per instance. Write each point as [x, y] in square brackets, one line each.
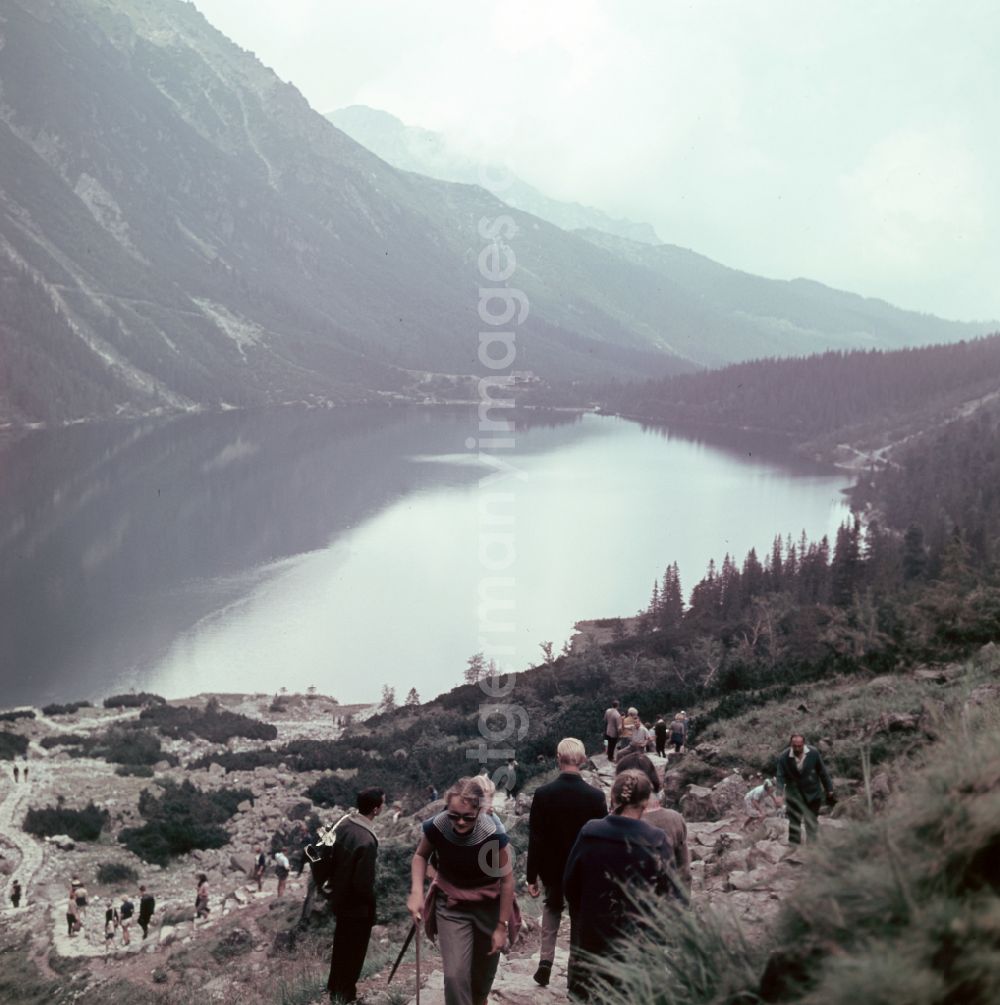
[856, 142]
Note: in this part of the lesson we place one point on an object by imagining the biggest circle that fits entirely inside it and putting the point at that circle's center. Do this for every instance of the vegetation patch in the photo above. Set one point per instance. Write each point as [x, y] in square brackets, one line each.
[68, 709]
[244, 760]
[18, 713]
[181, 819]
[139, 700]
[12, 745]
[80, 825]
[214, 723]
[114, 873]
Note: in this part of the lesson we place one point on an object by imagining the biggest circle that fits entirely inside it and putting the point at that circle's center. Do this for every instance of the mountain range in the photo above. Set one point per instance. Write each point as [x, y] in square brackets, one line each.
[179, 229]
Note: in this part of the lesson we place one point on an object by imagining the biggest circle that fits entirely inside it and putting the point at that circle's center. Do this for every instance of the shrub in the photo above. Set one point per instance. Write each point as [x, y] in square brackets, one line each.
[245, 760]
[114, 873]
[73, 706]
[80, 825]
[134, 770]
[12, 745]
[181, 819]
[139, 700]
[235, 942]
[214, 723]
[64, 740]
[127, 743]
[18, 713]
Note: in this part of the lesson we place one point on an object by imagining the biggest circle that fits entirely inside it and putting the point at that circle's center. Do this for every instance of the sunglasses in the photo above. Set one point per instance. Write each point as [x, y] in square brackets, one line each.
[469, 818]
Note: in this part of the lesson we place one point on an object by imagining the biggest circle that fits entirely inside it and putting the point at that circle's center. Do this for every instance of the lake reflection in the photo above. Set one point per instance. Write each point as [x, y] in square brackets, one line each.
[287, 548]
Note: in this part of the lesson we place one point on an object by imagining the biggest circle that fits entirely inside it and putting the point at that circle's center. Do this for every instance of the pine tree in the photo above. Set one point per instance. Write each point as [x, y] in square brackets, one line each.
[388, 702]
[475, 668]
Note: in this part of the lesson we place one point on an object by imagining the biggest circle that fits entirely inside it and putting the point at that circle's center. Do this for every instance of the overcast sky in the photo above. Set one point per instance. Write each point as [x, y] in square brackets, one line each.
[856, 142]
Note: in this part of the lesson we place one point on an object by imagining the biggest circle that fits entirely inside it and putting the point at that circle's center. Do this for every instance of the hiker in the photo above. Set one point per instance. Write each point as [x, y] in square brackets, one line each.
[639, 738]
[619, 849]
[660, 731]
[201, 907]
[629, 722]
[282, 867]
[352, 894]
[26, 773]
[147, 905]
[678, 733]
[110, 926]
[17, 774]
[432, 794]
[80, 894]
[470, 903]
[669, 821]
[558, 811]
[801, 780]
[15, 893]
[259, 868]
[125, 913]
[72, 915]
[508, 777]
[612, 728]
[758, 801]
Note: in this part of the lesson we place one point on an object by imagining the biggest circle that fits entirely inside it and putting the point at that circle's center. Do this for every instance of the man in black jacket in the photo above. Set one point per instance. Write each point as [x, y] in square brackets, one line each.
[802, 779]
[558, 811]
[352, 895]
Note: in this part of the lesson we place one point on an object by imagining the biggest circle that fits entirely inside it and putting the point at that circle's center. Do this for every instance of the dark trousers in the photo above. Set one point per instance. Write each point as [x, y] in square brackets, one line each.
[612, 743]
[350, 946]
[661, 747]
[800, 809]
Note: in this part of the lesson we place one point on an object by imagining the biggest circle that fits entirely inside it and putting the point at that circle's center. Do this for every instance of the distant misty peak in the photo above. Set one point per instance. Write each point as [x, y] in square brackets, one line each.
[412, 148]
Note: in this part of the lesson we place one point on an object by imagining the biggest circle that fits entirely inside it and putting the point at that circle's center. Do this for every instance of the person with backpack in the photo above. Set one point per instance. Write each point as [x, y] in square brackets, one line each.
[147, 905]
[15, 893]
[259, 868]
[125, 913]
[350, 890]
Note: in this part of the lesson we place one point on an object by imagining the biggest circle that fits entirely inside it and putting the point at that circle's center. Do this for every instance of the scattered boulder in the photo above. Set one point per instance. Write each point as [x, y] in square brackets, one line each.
[896, 722]
[984, 696]
[429, 810]
[696, 804]
[62, 841]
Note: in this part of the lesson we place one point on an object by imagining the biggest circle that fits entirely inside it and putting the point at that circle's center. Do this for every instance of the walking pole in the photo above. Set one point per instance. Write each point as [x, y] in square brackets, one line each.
[418, 964]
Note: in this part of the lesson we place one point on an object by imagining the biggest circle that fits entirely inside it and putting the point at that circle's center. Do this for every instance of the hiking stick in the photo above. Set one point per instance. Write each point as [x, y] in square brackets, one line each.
[402, 953]
[418, 965]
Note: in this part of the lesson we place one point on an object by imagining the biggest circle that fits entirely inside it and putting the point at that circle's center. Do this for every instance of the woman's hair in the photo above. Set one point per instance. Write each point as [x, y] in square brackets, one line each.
[469, 790]
[638, 761]
[631, 788]
[202, 878]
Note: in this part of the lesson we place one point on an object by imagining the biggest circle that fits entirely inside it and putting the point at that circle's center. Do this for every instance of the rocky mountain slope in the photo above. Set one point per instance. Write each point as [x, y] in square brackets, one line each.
[411, 148]
[180, 230]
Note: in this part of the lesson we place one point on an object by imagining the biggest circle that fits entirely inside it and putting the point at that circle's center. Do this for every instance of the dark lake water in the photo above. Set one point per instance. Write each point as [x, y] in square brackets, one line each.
[347, 549]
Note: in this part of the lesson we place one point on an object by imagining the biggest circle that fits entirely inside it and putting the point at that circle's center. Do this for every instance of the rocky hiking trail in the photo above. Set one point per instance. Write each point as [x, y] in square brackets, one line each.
[746, 872]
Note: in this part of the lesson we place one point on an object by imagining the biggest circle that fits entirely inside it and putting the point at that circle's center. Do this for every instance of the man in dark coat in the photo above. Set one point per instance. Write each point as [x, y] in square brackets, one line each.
[352, 895]
[558, 811]
[147, 905]
[802, 779]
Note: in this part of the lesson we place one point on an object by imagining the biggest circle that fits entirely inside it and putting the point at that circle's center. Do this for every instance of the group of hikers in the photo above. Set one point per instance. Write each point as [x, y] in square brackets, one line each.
[117, 918]
[581, 857]
[628, 733]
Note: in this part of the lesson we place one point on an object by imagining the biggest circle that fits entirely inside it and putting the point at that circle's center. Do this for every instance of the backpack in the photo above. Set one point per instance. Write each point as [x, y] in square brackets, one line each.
[322, 857]
[127, 909]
